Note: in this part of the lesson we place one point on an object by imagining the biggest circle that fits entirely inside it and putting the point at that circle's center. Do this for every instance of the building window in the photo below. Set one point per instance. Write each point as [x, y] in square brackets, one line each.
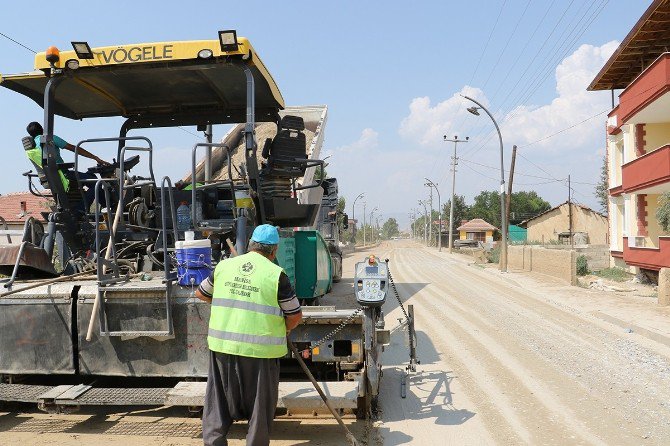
[478, 236]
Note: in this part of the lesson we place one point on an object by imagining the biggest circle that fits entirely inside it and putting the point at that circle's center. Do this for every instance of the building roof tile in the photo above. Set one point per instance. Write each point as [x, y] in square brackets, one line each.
[476, 225]
[16, 207]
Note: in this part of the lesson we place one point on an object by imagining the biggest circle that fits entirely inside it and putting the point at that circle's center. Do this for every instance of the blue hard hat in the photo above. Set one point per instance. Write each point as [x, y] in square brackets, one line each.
[266, 235]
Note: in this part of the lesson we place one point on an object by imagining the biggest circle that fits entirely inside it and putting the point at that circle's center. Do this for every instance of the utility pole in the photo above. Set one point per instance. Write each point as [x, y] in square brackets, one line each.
[364, 204]
[454, 163]
[508, 198]
[439, 212]
[570, 213]
[425, 220]
[353, 217]
[430, 219]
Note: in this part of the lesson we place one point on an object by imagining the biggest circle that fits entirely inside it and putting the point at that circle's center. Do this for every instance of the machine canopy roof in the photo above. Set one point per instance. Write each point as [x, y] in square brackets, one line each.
[159, 84]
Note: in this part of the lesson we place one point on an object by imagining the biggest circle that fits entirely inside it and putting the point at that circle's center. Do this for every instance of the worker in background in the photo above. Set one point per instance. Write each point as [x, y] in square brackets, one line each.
[254, 307]
[35, 130]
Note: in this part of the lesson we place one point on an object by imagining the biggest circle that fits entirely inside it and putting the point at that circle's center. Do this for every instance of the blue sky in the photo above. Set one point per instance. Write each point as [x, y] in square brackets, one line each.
[390, 73]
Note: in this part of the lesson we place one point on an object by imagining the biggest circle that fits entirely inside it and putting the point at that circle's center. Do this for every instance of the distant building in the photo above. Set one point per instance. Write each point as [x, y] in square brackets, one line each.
[638, 141]
[17, 207]
[476, 229]
[554, 225]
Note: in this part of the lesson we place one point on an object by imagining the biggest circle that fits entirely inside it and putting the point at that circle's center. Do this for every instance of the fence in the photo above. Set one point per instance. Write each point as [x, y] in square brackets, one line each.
[560, 263]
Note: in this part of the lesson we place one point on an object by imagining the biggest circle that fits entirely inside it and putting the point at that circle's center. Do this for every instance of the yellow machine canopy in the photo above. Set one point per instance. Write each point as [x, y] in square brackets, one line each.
[162, 84]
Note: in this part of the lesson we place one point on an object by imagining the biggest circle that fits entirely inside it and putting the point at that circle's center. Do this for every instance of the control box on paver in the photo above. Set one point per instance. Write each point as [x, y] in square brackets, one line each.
[371, 282]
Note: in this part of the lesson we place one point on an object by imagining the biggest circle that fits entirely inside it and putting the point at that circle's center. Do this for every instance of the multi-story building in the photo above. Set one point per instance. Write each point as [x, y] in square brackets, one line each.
[638, 140]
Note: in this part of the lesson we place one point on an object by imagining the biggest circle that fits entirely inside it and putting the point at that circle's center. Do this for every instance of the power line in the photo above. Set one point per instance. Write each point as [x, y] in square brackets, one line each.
[541, 75]
[189, 132]
[564, 130]
[18, 43]
[474, 72]
[506, 44]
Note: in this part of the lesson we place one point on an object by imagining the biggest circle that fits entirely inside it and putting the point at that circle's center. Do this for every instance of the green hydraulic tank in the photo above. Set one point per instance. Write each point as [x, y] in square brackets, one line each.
[304, 256]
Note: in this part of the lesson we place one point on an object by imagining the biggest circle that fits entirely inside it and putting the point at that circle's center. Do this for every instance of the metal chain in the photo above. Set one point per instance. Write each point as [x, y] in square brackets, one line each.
[395, 291]
[337, 329]
[353, 315]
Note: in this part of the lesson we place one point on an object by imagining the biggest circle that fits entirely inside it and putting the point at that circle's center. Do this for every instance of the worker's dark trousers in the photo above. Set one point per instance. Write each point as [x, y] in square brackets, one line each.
[240, 388]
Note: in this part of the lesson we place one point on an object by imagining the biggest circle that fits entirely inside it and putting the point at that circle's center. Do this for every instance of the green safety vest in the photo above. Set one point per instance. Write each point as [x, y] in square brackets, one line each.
[35, 155]
[246, 319]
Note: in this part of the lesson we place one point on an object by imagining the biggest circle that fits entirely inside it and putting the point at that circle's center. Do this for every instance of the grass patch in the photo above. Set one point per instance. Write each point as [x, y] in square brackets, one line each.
[615, 274]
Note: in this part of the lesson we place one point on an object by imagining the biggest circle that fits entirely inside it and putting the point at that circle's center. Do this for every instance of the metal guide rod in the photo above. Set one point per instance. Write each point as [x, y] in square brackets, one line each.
[350, 437]
[49, 282]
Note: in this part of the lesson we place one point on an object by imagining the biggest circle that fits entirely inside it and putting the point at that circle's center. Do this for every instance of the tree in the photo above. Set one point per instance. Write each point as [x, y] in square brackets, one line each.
[486, 207]
[663, 211]
[342, 216]
[461, 212]
[390, 228]
[602, 188]
[524, 205]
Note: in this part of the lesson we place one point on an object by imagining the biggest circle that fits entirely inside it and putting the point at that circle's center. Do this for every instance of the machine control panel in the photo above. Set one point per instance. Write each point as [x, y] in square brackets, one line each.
[371, 282]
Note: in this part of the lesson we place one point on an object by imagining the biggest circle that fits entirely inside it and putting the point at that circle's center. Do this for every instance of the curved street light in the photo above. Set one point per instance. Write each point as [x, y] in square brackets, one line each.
[503, 251]
[353, 217]
[439, 213]
[372, 231]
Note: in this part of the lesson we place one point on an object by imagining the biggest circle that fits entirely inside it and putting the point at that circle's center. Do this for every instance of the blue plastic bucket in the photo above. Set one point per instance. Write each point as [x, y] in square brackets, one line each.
[194, 261]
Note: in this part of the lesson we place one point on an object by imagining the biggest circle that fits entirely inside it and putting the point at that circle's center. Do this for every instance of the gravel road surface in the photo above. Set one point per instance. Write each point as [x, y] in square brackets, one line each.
[504, 360]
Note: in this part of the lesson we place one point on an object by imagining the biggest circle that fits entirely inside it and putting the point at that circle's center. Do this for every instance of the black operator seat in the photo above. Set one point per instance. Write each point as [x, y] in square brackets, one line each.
[73, 193]
[287, 153]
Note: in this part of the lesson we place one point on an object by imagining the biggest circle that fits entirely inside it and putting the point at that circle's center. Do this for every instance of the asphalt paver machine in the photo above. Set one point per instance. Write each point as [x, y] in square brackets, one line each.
[96, 308]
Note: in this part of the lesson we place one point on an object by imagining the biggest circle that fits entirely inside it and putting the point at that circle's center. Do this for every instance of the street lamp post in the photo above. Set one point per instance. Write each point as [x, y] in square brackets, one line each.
[372, 229]
[503, 251]
[439, 213]
[453, 189]
[353, 217]
[364, 241]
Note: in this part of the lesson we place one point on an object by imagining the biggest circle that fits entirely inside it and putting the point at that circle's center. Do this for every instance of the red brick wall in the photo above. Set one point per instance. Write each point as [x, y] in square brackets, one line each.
[640, 133]
[642, 215]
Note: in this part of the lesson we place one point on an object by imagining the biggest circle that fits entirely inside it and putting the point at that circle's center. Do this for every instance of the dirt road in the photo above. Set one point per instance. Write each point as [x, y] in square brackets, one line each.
[505, 360]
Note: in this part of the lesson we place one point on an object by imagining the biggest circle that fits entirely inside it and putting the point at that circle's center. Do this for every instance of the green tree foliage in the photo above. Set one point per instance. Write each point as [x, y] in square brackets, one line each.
[663, 211]
[390, 229]
[342, 216]
[461, 212]
[487, 207]
[525, 205]
[601, 191]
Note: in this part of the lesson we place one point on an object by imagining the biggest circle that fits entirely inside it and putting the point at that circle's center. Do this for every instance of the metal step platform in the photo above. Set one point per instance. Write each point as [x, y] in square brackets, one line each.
[295, 396]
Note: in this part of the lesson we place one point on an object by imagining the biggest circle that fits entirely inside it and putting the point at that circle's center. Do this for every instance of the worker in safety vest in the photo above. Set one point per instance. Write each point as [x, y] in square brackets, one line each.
[254, 306]
[35, 131]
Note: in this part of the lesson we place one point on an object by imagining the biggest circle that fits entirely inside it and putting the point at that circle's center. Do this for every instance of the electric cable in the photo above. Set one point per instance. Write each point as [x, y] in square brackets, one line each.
[18, 43]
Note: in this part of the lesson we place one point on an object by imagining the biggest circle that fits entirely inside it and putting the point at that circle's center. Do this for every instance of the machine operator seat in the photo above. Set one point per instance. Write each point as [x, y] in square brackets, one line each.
[287, 152]
[73, 193]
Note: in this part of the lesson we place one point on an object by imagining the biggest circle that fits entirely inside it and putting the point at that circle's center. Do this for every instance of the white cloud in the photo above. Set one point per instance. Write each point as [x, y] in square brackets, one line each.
[369, 139]
[427, 124]
[573, 104]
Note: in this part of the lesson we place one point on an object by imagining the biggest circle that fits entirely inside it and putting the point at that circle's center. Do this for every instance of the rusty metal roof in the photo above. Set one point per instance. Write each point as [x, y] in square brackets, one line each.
[649, 38]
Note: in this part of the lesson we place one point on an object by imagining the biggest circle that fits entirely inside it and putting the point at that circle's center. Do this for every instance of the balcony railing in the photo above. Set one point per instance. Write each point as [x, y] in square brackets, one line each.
[649, 258]
[651, 169]
[651, 84]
